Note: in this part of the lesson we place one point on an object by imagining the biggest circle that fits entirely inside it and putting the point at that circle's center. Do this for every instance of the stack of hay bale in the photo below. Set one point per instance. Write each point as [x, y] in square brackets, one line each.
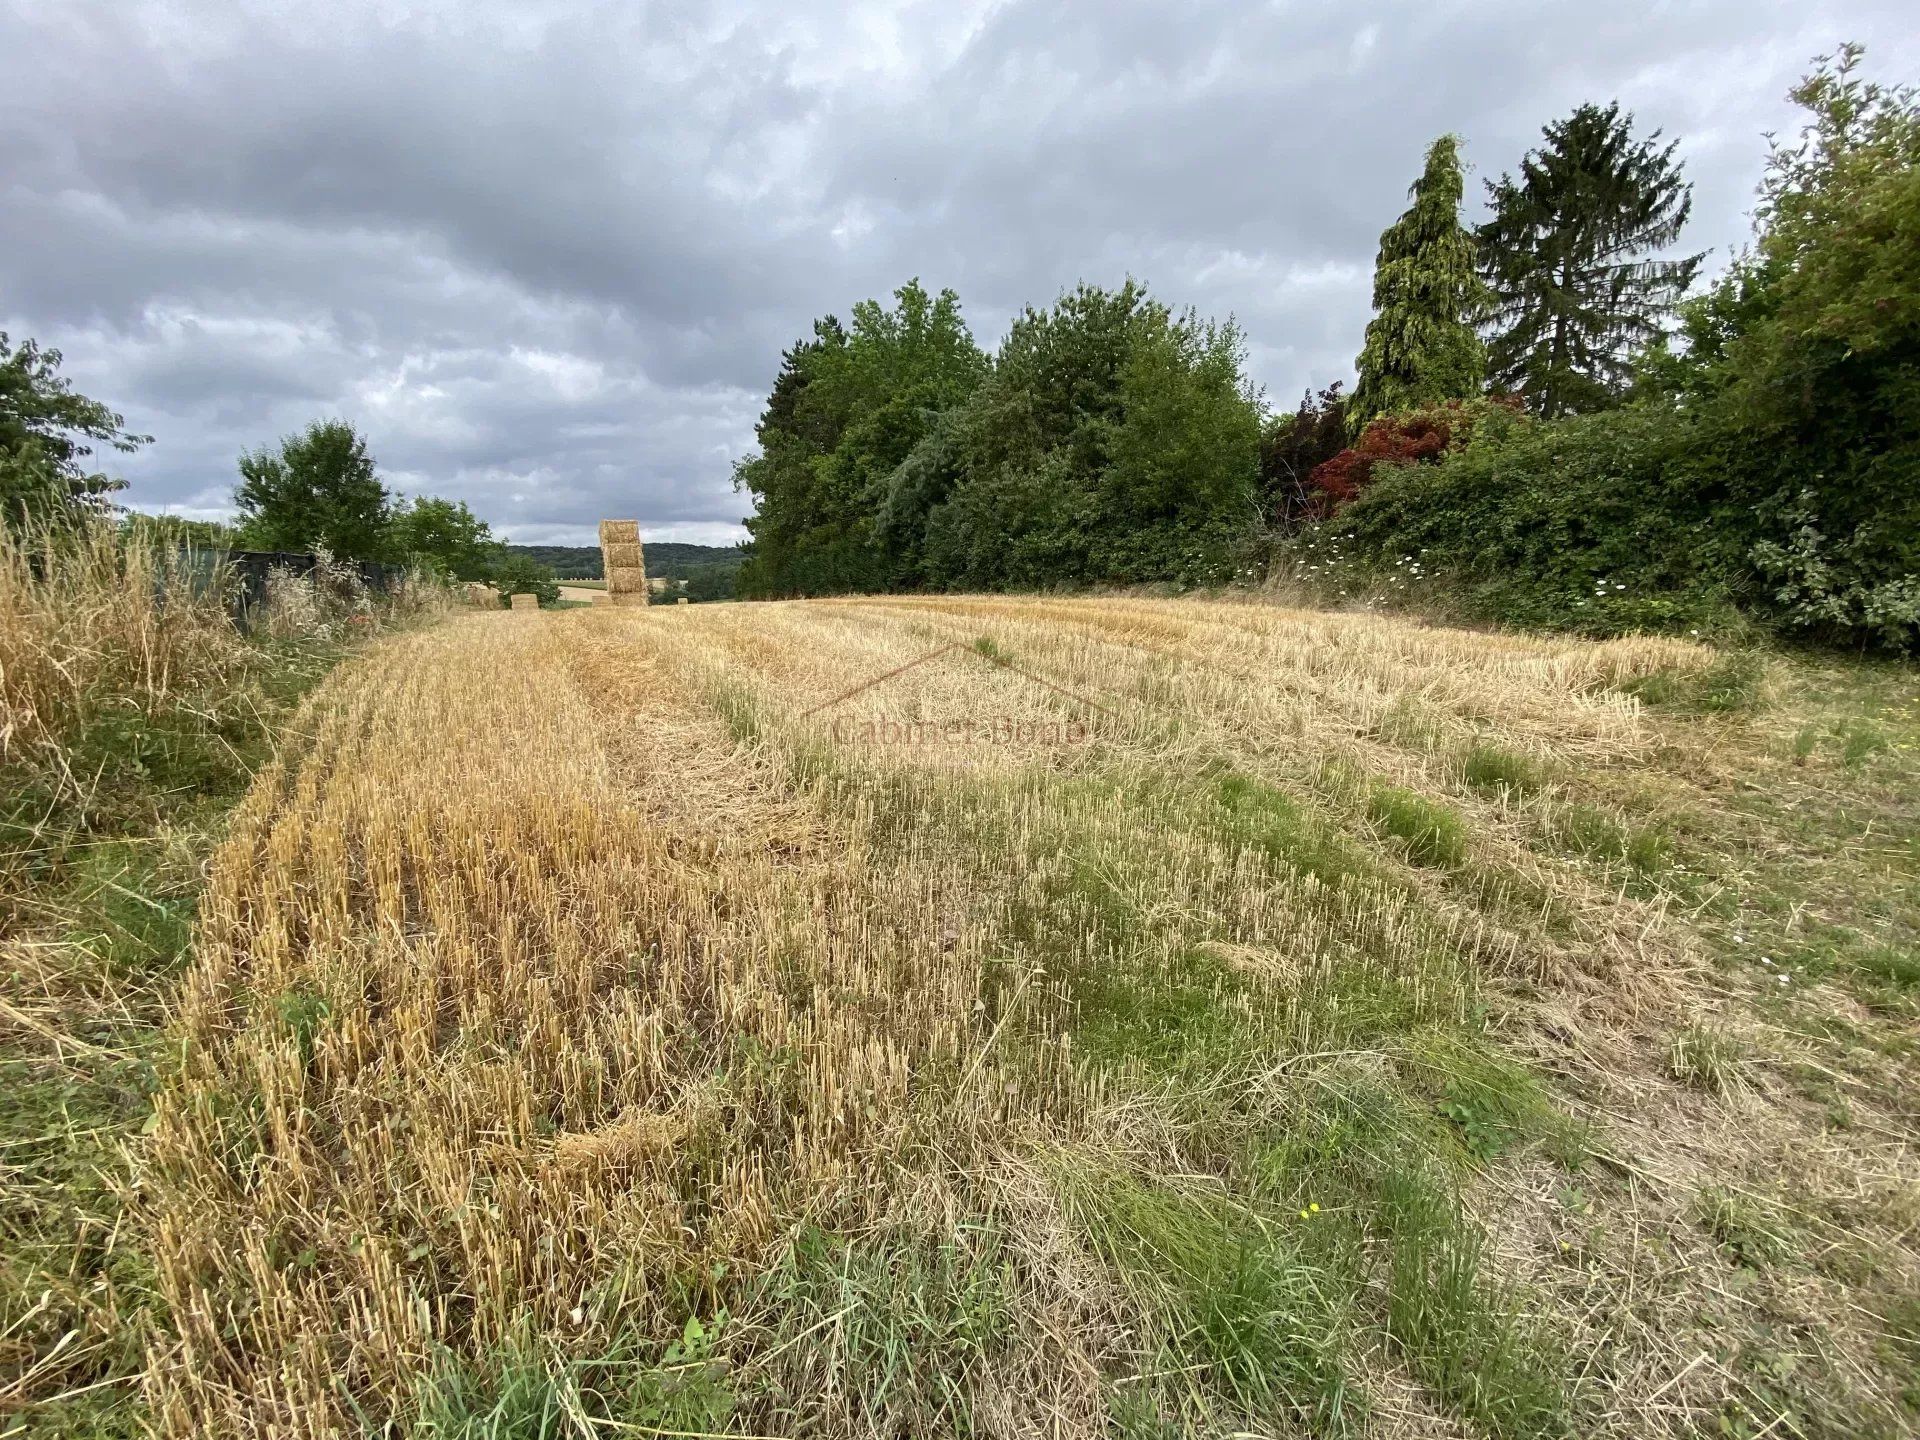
[623, 562]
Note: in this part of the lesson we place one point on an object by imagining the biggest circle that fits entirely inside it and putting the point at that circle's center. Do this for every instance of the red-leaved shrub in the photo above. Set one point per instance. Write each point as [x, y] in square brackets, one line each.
[1410, 439]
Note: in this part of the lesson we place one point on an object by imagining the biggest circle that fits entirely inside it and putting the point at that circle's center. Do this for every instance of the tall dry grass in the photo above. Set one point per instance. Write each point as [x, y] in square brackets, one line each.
[89, 621]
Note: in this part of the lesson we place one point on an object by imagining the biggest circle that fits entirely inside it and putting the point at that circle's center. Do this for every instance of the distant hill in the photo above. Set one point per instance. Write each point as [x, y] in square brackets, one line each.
[666, 559]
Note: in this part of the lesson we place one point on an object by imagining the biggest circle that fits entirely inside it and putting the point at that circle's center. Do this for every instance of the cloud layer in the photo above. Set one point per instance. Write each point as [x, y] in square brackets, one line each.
[548, 264]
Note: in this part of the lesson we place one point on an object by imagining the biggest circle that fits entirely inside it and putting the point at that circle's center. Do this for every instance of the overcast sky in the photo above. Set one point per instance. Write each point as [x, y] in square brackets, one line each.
[546, 256]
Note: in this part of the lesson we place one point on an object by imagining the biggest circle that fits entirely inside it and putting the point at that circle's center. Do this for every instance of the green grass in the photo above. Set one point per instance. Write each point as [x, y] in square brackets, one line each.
[986, 645]
[1428, 832]
[521, 1393]
[1733, 684]
[899, 1323]
[1891, 965]
[1493, 1103]
[1253, 813]
[1464, 1335]
[1597, 834]
[1365, 1158]
[1256, 1310]
[1490, 768]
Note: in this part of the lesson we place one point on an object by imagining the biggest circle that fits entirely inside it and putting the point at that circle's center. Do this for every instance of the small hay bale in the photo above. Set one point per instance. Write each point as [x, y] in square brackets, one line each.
[600, 597]
[526, 602]
[681, 601]
[619, 532]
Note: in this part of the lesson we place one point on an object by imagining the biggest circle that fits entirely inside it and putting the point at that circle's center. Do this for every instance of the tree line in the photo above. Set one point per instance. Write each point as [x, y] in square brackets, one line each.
[1108, 438]
[317, 490]
[1111, 440]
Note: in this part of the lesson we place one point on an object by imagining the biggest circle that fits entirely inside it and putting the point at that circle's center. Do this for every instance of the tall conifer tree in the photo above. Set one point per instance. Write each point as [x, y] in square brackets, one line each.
[1422, 346]
[1564, 257]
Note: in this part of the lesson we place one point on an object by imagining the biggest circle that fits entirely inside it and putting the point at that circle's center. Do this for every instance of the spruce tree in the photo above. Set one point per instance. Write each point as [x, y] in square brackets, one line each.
[1564, 257]
[1422, 346]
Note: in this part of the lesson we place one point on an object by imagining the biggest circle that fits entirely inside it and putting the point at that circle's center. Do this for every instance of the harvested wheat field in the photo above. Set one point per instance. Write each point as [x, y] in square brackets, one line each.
[1143, 1017]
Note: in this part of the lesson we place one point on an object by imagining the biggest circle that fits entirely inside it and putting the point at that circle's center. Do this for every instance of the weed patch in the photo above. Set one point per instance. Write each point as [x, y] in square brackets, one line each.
[1428, 831]
[1490, 768]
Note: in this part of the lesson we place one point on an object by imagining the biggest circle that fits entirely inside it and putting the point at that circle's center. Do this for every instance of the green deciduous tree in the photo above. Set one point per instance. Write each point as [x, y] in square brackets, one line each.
[711, 582]
[848, 407]
[1565, 255]
[1113, 442]
[446, 537]
[1817, 371]
[1422, 345]
[46, 431]
[318, 491]
[523, 575]
[1109, 440]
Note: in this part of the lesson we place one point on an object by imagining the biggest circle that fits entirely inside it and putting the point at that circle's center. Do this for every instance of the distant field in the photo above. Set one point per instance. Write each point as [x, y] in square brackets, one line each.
[1138, 1018]
[666, 559]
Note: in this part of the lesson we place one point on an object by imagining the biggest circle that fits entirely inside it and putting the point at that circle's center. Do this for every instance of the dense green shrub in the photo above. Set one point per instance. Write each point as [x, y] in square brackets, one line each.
[1823, 372]
[1598, 523]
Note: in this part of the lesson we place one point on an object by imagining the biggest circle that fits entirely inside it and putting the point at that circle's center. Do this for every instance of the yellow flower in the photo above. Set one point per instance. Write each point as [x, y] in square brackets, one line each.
[1315, 1207]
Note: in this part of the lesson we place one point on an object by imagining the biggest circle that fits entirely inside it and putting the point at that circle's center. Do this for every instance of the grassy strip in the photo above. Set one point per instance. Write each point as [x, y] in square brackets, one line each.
[1328, 1184]
[108, 916]
[146, 720]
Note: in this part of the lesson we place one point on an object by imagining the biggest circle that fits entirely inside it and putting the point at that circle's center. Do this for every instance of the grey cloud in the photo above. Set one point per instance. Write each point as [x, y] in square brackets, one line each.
[547, 257]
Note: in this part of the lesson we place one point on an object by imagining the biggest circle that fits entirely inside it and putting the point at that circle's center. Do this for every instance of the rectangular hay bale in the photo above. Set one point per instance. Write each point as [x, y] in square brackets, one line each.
[526, 602]
[628, 599]
[619, 532]
[621, 556]
[623, 580]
